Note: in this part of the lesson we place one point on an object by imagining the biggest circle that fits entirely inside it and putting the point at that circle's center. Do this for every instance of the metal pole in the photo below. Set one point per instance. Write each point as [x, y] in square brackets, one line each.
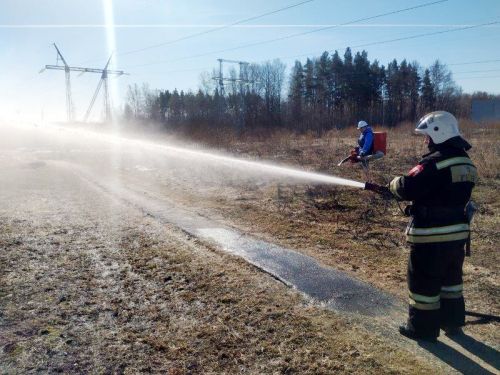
[107, 104]
[69, 104]
[221, 79]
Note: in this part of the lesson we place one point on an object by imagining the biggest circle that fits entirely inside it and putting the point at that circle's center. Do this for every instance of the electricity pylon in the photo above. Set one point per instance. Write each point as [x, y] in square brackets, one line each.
[104, 79]
[244, 84]
[242, 76]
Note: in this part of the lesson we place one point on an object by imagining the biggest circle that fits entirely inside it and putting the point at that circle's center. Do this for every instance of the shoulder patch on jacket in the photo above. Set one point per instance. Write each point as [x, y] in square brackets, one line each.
[416, 170]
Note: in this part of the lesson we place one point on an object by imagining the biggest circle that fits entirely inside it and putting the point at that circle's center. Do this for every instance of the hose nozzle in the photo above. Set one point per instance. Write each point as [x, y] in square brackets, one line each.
[382, 190]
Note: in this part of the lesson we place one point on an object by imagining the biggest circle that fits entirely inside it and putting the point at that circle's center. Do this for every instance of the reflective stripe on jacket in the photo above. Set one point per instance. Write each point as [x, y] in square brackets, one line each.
[448, 233]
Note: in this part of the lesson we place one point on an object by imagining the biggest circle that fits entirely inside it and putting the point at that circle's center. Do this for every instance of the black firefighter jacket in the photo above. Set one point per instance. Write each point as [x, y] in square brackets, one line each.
[440, 187]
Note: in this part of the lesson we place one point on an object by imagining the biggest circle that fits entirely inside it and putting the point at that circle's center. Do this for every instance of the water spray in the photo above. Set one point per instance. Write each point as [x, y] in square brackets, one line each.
[232, 162]
[225, 160]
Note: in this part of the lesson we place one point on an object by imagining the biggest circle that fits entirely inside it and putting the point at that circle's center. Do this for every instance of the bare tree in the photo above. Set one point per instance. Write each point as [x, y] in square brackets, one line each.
[135, 100]
[444, 86]
[207, 82]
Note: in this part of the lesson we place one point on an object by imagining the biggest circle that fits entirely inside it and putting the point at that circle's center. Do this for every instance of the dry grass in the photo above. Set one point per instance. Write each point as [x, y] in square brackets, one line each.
[162, 304]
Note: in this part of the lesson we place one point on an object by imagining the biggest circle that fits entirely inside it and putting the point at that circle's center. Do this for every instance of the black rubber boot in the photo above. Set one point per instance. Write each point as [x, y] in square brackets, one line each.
[452, 331]
[411, 334]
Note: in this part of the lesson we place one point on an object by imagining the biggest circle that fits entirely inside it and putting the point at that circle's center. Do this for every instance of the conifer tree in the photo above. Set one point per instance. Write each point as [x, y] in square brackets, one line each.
[428, 97]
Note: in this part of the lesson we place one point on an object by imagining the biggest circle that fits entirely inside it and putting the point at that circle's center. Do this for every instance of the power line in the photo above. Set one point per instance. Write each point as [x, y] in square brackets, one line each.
[216, 28]
[204, 26]
[172, 71]
[296, 34]
[475, 62]
[478, 71]
[416, 36]
[479, 77]
[427, 34]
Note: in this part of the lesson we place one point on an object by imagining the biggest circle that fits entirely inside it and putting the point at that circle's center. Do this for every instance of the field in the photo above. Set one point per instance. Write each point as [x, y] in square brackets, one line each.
[360, 232]
[90, 283]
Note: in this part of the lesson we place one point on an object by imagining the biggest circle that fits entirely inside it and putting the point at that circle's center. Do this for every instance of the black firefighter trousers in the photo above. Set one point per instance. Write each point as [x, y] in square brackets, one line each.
[435, 287]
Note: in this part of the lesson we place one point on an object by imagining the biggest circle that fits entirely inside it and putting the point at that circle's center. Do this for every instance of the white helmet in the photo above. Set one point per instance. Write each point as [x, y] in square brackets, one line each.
[362, 124]
[439, 125]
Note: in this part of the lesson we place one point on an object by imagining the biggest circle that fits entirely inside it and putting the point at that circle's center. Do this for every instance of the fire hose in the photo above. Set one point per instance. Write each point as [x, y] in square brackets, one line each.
[379, 189]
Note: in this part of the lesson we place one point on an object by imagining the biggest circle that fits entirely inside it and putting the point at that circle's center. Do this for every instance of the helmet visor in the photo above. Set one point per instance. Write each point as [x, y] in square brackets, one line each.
[423, 124]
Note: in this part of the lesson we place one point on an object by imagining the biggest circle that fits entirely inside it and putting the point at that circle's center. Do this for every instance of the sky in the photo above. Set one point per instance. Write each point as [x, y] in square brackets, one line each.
[142, 35]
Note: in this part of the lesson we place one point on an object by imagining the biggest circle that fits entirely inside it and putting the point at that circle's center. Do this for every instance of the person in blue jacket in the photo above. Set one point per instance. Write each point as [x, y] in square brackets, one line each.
[365, 140]
[366, 149]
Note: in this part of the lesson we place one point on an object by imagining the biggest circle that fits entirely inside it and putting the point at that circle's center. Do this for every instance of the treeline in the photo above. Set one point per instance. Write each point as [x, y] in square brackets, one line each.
[253, 101]
[333, 91]
[323, 93]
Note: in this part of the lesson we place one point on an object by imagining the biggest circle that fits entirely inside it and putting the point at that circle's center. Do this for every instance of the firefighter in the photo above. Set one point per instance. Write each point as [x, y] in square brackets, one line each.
[440, 187]
[365, 150]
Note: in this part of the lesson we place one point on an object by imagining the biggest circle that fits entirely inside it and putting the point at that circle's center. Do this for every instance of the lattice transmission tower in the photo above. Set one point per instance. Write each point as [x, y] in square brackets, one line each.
[103, 82]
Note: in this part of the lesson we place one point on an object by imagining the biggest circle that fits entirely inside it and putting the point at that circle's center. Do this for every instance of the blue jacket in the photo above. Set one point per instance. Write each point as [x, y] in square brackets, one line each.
[365, 142]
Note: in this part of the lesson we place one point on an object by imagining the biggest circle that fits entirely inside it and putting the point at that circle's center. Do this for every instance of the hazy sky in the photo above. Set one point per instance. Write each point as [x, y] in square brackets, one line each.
[28, 27]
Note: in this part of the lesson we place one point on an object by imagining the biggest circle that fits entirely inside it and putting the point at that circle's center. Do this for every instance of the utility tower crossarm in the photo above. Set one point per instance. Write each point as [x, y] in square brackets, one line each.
[232, 79]
[85, 70]
[234, 61]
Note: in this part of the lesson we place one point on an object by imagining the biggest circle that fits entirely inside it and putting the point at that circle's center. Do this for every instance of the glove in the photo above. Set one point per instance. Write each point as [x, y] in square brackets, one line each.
[386, 192]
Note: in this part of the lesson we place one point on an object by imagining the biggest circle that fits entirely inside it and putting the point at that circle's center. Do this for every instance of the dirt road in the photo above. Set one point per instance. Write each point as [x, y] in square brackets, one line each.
[103, 268]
